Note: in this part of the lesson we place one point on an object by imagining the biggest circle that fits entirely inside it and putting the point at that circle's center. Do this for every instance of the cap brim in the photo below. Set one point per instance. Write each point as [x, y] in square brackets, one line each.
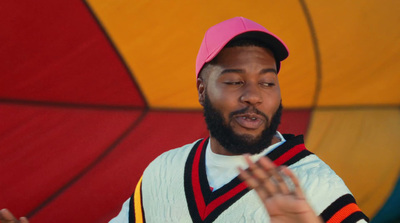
[272, 42]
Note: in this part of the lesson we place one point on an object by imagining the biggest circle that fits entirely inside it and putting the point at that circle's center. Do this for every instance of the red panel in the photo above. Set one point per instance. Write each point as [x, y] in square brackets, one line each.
[99, 195]
[295, 121]
[43, 148]
[46, 147]
[55, 51]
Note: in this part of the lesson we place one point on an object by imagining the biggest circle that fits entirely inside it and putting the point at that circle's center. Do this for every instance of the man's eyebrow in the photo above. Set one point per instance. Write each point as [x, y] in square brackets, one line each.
[268, 70]
[232, 71]
[241, 71]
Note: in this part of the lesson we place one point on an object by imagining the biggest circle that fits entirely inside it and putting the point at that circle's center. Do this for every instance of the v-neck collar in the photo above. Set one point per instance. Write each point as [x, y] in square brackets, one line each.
[206, 205]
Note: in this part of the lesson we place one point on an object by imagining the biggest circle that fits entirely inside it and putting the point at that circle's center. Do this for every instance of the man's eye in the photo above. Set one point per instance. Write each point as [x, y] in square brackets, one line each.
[234, 82]
[267, 84]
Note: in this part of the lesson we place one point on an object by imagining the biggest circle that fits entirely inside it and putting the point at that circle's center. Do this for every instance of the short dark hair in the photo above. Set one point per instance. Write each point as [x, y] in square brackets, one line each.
[246, 42]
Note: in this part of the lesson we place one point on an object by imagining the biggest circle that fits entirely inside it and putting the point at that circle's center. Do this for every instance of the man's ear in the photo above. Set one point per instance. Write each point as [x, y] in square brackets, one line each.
[201, 90]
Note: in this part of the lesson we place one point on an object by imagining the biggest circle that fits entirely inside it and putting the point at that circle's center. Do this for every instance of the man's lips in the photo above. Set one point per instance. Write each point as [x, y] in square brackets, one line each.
[249, 120]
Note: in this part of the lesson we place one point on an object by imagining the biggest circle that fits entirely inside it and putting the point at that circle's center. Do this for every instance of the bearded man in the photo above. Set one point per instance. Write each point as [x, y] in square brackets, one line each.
[246, 171]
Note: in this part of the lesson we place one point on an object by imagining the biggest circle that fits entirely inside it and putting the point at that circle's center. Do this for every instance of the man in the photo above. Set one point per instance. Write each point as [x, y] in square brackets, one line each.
[245, 171]
[237, 83]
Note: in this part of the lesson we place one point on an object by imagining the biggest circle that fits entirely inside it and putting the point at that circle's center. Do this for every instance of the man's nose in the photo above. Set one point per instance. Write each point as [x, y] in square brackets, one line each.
[251, 95]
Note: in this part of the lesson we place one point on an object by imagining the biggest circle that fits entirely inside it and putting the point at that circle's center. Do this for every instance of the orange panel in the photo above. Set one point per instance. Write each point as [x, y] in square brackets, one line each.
[361, 145]
[360, 50]
[160, 45]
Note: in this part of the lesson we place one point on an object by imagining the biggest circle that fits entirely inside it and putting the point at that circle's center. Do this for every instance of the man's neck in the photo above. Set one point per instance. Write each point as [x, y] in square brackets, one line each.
[219, 149]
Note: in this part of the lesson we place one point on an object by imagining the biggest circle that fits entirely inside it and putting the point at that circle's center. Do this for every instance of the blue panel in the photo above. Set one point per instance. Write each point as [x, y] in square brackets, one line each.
[390, 212]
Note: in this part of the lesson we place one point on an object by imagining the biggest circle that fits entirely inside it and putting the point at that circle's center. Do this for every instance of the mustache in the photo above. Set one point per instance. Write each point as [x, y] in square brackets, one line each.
[249, 109]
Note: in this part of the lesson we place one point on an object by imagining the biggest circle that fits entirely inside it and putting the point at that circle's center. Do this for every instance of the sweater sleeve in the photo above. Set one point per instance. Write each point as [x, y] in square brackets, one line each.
[326, 192]
[123, 216]
[344, 209]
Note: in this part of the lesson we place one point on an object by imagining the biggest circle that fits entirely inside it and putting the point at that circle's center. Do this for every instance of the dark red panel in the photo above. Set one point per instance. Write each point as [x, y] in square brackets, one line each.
[99, 195]
[55, 51]
[43, 148]
[295, 121]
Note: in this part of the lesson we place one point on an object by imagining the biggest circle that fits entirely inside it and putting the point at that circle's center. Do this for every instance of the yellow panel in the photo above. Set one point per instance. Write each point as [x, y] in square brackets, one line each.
[362, 146]
[360, 50]
[159, 41]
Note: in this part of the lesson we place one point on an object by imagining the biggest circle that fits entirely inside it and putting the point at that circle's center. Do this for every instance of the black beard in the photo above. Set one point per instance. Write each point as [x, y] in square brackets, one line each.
[239, 144]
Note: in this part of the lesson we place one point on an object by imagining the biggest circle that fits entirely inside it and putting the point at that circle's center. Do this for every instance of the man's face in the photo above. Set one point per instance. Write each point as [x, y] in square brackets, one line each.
[243, 89]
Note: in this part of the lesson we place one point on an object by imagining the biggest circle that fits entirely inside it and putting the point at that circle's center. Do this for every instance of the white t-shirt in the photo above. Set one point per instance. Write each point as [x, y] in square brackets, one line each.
[221, 169]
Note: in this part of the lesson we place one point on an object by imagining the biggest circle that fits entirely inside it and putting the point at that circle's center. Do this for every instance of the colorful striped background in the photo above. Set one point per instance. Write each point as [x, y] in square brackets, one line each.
[91, 91]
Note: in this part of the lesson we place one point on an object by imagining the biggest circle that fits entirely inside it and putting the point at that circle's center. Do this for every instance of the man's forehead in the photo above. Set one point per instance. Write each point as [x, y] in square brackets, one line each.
[236, 60]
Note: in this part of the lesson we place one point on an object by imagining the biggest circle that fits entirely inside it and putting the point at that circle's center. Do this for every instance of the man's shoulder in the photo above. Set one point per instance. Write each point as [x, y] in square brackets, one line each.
[181, 151]
[173, 157]
[313, 166]
[320, 183]
[167, 168]
[318, 180]
[292, 138]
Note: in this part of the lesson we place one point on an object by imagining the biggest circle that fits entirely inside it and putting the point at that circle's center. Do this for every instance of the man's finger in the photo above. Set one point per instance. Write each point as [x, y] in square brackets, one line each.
[277, 177]
[261, 180]
[7, 217]
[23, 220]
[253, 183]
[297, 189]
[282, 181]
[248, 178]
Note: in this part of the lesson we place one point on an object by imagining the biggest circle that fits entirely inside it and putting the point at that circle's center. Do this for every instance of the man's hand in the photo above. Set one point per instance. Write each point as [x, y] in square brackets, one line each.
[7, 217]
[279, 190]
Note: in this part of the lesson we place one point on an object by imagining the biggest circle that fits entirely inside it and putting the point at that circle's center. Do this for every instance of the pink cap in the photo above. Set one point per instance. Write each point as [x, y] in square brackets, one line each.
[220, 34]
